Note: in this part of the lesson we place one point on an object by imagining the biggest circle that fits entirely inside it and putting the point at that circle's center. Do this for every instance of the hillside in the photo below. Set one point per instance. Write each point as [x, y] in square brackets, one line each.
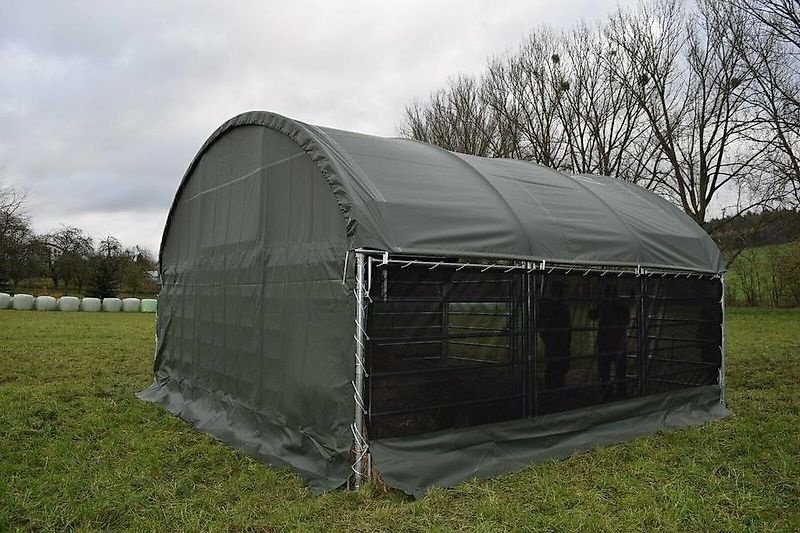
[755, 229]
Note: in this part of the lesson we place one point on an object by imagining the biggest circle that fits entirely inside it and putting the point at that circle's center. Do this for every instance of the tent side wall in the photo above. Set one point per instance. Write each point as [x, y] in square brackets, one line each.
[449, 457]
[476, 369]
[255, 324]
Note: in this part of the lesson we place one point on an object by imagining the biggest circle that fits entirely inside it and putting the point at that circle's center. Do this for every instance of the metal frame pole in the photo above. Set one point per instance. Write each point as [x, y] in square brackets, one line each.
[722, 383]
[642, 333]
[527, 319]
[155, 350]
[445, 318]
[360, 445]
[534, 305]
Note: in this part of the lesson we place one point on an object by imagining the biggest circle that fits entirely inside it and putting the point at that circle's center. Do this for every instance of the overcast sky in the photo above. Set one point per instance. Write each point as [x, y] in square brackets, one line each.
[103, 104]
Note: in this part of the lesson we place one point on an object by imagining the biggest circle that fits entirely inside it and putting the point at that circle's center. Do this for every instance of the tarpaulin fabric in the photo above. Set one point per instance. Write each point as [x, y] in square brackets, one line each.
[405, 196]
[255, 327]
[448, 457]
[255, 324]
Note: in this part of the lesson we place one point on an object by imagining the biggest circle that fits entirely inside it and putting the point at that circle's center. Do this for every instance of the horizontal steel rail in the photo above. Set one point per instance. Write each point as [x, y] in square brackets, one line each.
[449, 405]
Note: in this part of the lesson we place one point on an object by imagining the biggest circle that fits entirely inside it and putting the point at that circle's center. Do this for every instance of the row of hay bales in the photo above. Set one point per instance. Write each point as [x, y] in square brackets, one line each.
[26, 302]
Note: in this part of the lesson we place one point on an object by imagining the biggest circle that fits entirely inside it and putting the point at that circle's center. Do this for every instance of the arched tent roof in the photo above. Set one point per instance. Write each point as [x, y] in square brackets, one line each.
[409, 197]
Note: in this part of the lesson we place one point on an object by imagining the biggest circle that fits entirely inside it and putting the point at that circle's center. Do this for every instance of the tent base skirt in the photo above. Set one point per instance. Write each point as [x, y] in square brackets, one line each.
[447, 458]
[254, 433]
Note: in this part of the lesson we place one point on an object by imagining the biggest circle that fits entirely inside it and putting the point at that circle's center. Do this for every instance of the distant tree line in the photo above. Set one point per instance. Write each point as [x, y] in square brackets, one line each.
[756, 228]
[699, 102]
[68, 259]
[768, 275]
[763, 262]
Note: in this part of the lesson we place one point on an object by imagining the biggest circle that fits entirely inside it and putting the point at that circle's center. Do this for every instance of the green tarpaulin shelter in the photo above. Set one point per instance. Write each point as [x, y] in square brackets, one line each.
[342, 303]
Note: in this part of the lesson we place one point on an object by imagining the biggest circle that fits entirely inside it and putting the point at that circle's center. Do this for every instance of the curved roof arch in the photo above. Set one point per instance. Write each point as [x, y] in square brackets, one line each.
[405, 196]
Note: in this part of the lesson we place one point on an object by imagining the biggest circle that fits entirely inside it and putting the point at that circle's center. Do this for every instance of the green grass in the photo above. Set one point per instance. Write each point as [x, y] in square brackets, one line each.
[78, 451]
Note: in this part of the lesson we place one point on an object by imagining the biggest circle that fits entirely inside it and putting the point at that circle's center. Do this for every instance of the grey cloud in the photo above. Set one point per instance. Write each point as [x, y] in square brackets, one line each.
[103, 104]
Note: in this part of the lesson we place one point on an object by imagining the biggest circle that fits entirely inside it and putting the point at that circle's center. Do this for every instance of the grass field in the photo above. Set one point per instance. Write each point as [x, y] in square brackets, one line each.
[78, 451]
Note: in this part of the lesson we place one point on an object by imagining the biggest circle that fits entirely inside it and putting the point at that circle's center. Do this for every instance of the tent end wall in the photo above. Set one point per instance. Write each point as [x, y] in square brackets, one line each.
[268, 440]
[252, 294]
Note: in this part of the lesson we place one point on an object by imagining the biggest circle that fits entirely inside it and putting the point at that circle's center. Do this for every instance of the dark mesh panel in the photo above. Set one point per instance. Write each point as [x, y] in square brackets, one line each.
[452, 347]
[684, 335]
[586, 347]
[445, 349]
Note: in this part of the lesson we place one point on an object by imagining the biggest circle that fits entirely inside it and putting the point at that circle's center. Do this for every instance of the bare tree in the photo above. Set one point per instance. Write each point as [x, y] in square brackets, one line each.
[685, 73]
[109, 247]
[772, 53]
[525, 90]
[689, 102]
[133, 270]
[13, 216]
[15, 236]
[70, 249]
[454, 118]
[781, 16]
[555, 101]
[602, 122]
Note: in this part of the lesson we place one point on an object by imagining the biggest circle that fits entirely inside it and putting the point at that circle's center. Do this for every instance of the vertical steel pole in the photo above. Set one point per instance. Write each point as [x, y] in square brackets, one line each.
[534, 306]
[642, 333]
[445, 325]
[155, 350]
[360, 445]
[722, 383]
[526, 342]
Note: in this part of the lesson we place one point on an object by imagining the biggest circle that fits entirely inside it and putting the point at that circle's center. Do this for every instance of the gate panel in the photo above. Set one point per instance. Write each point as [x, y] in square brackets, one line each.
[587, 337]
[684, 337]
[445, 349]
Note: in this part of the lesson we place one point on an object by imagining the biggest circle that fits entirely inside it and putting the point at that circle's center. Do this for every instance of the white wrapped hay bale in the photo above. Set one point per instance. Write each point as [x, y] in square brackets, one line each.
[149, 305]
[46, 303]
[131, 305]
[5, 300]
[69, 303]
[112, 305]
[23, 302]
[90, 305]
